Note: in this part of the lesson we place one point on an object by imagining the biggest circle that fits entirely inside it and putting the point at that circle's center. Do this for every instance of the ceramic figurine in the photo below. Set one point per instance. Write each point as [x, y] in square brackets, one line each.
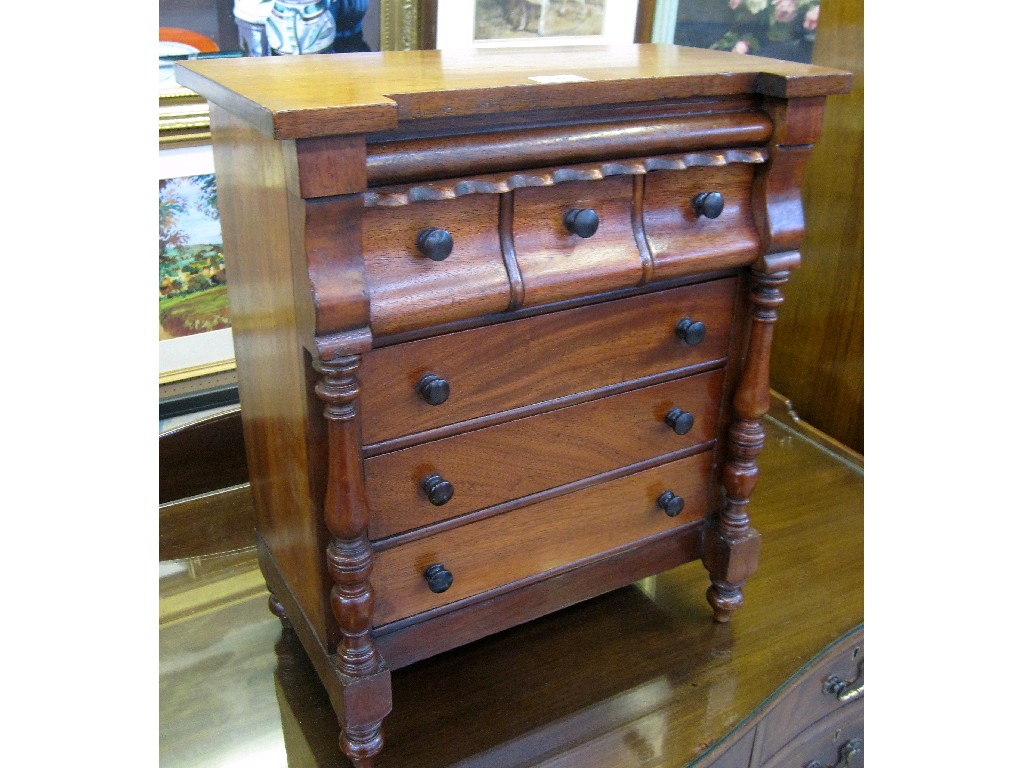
[300, 26]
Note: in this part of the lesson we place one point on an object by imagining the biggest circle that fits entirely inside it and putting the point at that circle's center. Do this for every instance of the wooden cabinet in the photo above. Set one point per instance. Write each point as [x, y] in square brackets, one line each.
[502, 342]
[815, 721]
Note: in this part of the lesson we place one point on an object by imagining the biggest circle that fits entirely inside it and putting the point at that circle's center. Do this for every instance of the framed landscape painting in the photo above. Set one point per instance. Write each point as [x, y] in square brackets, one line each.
[194, 323]
[518, 23]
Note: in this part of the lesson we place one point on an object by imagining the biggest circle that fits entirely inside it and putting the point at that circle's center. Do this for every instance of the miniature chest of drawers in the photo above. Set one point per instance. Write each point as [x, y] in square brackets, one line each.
[502, 324]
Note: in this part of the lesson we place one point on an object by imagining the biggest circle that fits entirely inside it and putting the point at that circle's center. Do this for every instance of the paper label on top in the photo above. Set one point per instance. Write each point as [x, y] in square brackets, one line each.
[545, 79]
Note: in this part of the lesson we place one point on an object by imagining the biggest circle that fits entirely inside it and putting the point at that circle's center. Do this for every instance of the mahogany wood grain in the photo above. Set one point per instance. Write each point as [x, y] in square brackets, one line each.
[398, 162]
[563, 688]
[682, 242]
[541, 358]
[539, 540]
[303, 96]
[408, 290]
[349, 563]
[525, 456]
[251, 180]
[819, 358]
[557, 264]
[808, 699]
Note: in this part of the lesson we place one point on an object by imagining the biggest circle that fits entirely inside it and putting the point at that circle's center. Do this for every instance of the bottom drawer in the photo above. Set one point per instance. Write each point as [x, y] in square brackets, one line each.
[542, 538]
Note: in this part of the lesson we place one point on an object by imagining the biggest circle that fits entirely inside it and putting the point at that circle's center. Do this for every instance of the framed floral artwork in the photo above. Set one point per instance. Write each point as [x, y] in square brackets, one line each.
[523, 23]
[779, 29]
[194, 322]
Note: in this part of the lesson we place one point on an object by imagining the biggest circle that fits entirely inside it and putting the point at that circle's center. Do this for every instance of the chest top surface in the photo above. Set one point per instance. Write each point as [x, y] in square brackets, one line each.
[306, 96]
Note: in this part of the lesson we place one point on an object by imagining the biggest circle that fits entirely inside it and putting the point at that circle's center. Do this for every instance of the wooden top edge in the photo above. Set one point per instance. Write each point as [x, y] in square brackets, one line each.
[290, 97]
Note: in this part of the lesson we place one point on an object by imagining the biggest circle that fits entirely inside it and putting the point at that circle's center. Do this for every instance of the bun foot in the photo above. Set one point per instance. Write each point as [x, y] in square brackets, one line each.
[724, 599]
[361, 745]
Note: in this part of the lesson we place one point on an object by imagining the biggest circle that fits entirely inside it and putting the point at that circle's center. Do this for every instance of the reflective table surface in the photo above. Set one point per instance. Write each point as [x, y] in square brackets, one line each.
[639, 677]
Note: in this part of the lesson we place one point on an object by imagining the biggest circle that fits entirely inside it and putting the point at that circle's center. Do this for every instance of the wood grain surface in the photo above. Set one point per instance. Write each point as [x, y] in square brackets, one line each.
[557, 264]
[525, 456]
[638, 676]
[290, 97]
[682, 242]
[818, 362]
[407, 290]
[541, 358]
[537, 540]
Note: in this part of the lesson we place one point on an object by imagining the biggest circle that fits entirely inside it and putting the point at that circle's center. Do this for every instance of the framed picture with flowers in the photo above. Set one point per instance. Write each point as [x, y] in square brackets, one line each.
[779, 29]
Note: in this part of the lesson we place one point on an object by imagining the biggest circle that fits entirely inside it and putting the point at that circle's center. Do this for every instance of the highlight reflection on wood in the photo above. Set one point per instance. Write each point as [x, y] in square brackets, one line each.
[554, 692]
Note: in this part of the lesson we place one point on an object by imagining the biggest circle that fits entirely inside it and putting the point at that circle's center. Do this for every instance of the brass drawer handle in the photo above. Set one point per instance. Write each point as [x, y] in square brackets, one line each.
[843, 690]
[848, 750]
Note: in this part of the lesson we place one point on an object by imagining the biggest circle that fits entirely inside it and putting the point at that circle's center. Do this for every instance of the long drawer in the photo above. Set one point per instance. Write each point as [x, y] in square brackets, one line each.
[543, 358]
[507, 461]
[538, 539]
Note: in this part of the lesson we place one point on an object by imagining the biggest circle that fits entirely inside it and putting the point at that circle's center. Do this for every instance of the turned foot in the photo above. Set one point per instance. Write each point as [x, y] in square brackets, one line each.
[362, 744]
[278, 610]
[724, 598]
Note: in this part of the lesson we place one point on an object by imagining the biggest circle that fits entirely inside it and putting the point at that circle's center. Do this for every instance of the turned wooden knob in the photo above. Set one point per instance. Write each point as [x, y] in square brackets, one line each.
[435, 243]
[439, 491]
[671, 503]
[438, 578]
[681, 421]
[433, 389]
[690, 331]
[581, 221]
[709, 204]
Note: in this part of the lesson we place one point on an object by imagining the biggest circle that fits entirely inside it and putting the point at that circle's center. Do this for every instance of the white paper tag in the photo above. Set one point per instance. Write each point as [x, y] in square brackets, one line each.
[545, 79]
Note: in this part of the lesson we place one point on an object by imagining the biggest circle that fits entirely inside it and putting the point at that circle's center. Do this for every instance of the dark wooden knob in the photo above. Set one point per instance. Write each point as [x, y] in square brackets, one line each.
[433, 389]
[671, 503]
[681, 421]
[438, 578]
[709, 204]
[439, 491]
[581, 221]
[435, 243]
[690, 331]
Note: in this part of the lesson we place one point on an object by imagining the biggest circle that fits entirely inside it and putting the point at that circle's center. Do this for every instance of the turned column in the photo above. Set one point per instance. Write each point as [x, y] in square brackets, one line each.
[364, 677]
[731, 546]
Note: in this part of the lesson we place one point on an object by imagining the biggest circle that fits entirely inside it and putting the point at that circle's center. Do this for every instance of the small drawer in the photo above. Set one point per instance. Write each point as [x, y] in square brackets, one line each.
[533, 360]
[445, 478]
[682, 240]
[835, 740]
[834, 682]
[539, 539]
[575, 239]
[415, 280]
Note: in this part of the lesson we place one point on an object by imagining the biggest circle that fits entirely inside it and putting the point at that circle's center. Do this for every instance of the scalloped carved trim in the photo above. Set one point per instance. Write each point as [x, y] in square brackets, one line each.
[391, 197]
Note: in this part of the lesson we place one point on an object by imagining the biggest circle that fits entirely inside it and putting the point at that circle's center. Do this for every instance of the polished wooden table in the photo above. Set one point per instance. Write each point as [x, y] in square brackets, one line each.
[638, 677]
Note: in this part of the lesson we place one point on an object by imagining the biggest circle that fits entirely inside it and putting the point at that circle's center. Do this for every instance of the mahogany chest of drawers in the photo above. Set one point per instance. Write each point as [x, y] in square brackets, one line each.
[502, 324]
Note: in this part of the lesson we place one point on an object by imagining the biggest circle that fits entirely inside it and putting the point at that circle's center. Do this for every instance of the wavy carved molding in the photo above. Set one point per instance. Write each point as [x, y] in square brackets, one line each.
[498, 183]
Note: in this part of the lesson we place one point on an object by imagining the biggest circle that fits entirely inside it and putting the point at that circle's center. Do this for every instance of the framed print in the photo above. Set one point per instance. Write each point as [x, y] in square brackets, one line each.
[778, 29]
[519, 23]
[194, 323]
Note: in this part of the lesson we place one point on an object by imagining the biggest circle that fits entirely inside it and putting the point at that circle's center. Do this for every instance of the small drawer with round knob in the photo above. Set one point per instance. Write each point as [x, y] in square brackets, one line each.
[575, 239]
[485, 468]
[433, 569]
[434, 262]
[699, 219]
[534, 360]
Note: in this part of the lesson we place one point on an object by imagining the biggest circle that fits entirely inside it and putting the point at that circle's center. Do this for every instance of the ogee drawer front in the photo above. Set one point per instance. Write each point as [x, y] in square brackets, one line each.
[508, 461]
[538, 359]
[543, 537]
[684, 241]
[555, 261]
[414, 283]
